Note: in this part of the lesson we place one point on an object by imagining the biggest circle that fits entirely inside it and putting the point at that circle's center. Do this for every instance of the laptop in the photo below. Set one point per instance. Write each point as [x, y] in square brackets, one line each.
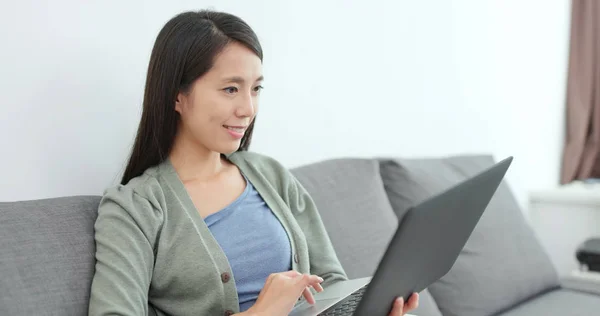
[425, 246]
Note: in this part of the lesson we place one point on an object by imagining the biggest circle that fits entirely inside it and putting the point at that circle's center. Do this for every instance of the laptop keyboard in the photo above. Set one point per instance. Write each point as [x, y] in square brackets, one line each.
[347, 306]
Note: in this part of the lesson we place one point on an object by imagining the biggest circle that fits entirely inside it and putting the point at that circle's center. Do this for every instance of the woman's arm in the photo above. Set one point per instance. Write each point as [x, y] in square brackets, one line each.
[323, 259]
[125, 231]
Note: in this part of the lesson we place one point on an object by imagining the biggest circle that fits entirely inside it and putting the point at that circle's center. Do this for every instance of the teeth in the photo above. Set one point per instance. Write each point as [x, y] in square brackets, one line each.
[236, 129]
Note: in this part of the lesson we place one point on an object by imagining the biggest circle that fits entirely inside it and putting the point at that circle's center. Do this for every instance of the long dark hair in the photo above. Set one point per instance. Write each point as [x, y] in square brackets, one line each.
[184, 50]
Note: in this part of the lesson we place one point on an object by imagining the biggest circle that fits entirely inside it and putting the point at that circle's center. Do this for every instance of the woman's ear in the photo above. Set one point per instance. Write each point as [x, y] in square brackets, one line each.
[179, 102]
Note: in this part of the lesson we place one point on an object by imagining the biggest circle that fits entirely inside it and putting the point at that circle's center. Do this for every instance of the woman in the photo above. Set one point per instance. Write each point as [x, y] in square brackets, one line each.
[199, 225]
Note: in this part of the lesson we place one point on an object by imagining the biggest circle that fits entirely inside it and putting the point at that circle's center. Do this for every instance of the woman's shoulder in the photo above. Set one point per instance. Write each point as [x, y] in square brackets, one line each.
[141, 193]
[131, 211]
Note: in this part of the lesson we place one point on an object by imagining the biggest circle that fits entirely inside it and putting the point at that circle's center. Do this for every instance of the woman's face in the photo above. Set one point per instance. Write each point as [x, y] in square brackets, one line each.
[221, 104]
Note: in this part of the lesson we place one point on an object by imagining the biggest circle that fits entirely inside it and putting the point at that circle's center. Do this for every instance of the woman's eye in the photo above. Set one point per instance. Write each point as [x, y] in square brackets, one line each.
[231, 90]
[258, 88]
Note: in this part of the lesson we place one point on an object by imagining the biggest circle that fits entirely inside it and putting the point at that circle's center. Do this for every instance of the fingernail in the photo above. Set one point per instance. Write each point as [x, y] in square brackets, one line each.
[321, 279]
[400, 300]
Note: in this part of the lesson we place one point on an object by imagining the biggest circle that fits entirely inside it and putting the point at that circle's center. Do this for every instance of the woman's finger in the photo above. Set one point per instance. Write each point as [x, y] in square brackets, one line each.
[397, 309]
[318, 287]
[413, 302]
[308, 296]
[315, 279]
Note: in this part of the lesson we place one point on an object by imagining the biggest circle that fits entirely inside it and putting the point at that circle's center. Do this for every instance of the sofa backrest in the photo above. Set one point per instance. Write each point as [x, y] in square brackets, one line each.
[47, 246]
[47, 255]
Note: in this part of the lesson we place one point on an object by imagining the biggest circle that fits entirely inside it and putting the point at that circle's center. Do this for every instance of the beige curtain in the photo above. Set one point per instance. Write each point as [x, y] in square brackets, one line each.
[582, 144]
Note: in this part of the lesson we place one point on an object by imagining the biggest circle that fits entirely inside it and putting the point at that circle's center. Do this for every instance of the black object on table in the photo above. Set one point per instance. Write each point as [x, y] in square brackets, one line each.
[588, 254]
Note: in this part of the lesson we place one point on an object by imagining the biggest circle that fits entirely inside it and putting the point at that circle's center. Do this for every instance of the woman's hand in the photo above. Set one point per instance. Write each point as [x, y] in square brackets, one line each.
[281, 292]
[399, 309]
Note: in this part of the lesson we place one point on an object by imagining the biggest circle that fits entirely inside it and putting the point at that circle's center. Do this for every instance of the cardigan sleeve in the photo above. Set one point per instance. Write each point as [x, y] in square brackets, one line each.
[125, 232]
[323, 259]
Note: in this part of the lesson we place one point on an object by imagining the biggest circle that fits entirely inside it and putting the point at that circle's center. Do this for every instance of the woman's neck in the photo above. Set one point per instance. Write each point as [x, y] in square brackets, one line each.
[193, 161]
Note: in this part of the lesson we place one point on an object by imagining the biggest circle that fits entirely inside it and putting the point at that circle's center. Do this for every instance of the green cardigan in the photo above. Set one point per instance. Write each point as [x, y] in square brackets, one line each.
[156, 256]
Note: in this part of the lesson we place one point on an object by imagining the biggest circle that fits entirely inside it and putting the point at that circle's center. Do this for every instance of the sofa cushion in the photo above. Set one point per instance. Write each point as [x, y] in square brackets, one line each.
[502, 264]
[359, 219]
[558, 303]
[47, 255]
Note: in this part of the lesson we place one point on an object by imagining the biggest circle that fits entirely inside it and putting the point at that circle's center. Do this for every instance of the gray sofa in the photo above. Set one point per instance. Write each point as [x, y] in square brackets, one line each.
[47, 246]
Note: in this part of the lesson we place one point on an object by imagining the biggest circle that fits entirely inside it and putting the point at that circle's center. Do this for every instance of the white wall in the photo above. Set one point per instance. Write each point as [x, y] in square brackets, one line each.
[344, 78]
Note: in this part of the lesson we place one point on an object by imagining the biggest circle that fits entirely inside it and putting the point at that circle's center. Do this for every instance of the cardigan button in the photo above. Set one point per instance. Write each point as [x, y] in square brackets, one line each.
[296, 259]
[228, 312]
[225, 277]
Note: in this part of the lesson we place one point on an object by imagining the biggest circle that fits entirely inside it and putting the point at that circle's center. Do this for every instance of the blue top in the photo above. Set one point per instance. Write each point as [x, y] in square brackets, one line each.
[254, 242]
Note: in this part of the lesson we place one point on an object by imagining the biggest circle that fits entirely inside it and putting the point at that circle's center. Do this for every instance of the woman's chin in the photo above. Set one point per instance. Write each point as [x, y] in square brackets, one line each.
[227, 149]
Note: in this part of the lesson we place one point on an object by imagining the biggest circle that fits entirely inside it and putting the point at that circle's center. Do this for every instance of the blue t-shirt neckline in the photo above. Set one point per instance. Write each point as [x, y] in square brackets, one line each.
[230, 208]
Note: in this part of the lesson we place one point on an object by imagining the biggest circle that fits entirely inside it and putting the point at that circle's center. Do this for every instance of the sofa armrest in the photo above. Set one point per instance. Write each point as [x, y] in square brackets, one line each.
[582, 281]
